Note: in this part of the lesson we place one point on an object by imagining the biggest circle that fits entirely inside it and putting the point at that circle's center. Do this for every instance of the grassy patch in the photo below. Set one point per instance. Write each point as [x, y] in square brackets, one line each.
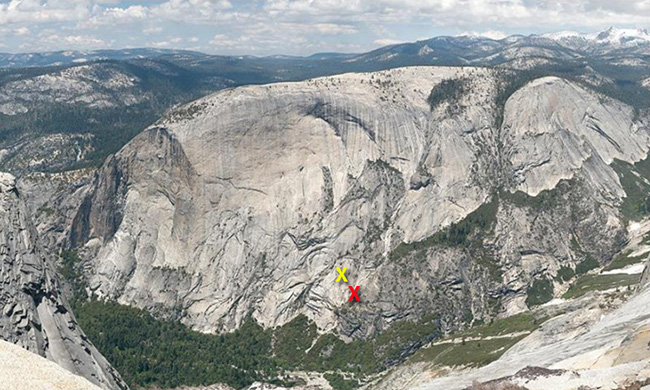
[586, 265]
[623, 260]
[449, 91]
[540, 292]
[338, 382]
[470, 353]
[477, 353]
[588, 283]
[524, 322]
[634, 179]
[564, 274]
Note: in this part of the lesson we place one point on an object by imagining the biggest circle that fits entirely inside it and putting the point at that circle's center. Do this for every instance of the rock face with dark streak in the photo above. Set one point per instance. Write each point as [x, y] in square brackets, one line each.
[34, 315]
[244, 202]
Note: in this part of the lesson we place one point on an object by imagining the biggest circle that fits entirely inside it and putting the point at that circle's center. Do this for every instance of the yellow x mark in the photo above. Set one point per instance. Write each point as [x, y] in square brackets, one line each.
[341, 274]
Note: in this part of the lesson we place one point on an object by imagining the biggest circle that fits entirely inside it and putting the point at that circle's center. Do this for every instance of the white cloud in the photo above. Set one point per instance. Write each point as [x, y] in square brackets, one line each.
[160, 44]
[83, 41]
[225, 41]
[49, 39]
[171, 42]
[298, 26]
[387, 41]
[42, 11]
[192, 11]
[22, 31]
[116, 16]
[152, 30]
[245, 44]
[335, 29]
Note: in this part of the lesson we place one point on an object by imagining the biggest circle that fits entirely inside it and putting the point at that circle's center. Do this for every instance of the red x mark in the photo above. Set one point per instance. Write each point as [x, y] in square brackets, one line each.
[354, 293]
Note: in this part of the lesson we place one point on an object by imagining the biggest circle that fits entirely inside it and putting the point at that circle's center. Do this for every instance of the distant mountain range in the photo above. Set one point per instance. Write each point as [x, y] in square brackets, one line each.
[443, 50]
[70, 57]
[612, 37]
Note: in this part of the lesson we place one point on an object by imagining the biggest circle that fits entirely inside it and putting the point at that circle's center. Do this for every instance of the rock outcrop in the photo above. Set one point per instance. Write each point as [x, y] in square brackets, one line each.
[598, 340]
[22, 369]
[589, 347]
[34, 315]
[242, 203]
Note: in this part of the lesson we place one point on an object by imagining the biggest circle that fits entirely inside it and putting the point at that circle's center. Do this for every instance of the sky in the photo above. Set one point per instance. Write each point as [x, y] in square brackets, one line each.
[292, 27]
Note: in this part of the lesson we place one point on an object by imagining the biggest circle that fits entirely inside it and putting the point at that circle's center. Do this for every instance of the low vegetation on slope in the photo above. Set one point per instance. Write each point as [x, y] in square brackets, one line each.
[589, 283]
[475, 353]
[540, 292]
[625, 259]
[448, 91]
[480, 345]
[635, 179]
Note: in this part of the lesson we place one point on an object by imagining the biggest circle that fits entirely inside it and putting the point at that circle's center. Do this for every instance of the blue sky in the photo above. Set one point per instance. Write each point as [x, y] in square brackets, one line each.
[295, 27]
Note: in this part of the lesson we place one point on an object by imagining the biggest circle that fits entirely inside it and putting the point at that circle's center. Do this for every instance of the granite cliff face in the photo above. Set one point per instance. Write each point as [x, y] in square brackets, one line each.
[34, 315]
[242, 203]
